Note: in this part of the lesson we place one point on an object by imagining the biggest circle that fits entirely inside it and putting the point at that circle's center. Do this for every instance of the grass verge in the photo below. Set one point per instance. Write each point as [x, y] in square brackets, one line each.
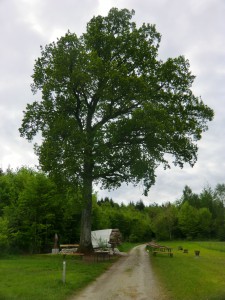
[39, 277]
[189, 277]
[126, 247]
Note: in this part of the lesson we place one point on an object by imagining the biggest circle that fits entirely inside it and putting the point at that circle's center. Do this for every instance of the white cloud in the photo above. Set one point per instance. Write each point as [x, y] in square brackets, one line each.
[104, 6]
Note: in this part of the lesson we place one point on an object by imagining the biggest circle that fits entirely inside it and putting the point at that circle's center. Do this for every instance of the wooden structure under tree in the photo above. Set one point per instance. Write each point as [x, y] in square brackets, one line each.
[156, 248]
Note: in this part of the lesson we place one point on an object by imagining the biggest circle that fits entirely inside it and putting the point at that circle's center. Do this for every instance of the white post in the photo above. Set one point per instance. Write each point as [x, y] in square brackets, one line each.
[64, 272]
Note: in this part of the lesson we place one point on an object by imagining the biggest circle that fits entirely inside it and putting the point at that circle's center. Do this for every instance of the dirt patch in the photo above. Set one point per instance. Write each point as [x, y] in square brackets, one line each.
[129, 278]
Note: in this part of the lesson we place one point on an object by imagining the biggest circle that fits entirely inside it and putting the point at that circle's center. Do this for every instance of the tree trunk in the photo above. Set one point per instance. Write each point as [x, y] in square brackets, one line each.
[85, 234]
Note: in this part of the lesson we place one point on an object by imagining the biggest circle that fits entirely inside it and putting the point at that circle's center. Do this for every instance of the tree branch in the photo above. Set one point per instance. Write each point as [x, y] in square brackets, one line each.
[77, 109]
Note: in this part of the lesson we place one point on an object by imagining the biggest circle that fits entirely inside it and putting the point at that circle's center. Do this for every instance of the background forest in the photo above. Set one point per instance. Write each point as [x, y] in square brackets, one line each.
[33, 209]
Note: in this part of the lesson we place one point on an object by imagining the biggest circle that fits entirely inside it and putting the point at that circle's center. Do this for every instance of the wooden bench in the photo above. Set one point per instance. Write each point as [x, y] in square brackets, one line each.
[163, 252]
[65, 247]
[68, 248]
[156, 248]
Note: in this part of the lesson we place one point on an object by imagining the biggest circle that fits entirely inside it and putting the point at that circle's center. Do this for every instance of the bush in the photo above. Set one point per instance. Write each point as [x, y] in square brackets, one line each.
[133, 238]
[4, 241]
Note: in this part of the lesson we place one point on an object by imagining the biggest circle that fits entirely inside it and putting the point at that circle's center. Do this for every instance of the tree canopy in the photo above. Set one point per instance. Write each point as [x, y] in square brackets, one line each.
[111, 110]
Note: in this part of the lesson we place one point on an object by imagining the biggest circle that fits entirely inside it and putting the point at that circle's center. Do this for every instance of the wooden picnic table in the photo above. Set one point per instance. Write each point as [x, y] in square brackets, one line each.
[156, 248]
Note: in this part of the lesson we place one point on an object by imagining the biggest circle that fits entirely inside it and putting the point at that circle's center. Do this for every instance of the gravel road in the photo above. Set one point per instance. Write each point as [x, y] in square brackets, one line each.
[131, 277]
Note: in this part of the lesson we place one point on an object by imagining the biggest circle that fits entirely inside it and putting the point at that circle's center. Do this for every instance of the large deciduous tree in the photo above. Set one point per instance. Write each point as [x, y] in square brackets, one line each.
[110, 109]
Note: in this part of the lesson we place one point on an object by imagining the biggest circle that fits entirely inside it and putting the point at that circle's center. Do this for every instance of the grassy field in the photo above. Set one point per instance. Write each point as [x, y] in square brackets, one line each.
[185, 276]
[39, 277]
[188, 277]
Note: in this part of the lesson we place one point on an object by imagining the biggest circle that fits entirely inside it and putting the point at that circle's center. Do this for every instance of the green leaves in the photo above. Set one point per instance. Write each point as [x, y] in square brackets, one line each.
[111, 107]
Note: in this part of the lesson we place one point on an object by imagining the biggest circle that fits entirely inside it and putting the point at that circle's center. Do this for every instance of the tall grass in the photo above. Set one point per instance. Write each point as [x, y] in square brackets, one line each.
[189, 277]
[39, 277]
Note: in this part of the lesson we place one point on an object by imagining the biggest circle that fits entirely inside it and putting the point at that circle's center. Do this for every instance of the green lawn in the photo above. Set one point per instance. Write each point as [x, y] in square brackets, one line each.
[187, 277]
[126, 247]
[39, 277]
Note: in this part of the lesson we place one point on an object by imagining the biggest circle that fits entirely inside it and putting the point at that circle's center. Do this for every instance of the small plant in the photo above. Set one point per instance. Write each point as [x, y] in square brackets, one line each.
[102, 244]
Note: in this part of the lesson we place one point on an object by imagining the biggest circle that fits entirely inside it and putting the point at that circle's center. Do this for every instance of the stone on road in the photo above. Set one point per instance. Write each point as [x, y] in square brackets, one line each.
[131, 277]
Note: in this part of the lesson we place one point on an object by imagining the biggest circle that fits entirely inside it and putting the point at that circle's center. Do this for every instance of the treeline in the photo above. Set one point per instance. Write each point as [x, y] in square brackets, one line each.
[191, 217]
[33, 209]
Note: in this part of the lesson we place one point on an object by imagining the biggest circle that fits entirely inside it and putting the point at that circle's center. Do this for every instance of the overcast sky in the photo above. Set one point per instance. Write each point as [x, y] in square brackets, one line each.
[194, 28]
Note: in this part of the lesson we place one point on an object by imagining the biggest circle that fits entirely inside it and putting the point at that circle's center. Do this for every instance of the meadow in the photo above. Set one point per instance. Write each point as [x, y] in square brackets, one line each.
[190, 277]
[39, 277]
[184, 276]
